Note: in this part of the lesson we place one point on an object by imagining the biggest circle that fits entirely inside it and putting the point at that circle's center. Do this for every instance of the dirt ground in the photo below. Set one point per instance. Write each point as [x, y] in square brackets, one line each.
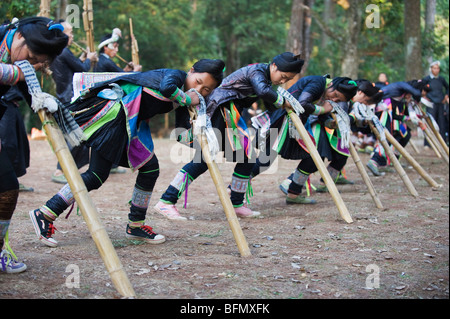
[298, 252]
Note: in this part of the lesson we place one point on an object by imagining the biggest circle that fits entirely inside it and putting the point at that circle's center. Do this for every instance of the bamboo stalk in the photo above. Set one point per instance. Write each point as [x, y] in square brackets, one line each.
[365, 176]
[431, 142]
[437, 147]
[223, 195]
[414, 147]
[321, 167]
[362, 171]
[437, 134]
[411, 160]
[134, 45]
[86, 205]
[398, 167]
[224, 198]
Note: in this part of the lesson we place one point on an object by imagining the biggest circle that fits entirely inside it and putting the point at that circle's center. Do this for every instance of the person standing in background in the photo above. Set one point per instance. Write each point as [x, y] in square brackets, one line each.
[439, 96]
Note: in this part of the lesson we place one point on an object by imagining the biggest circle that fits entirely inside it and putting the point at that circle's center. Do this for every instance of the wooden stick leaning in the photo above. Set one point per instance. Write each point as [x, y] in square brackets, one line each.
[84, 201]
[432, 142]
[398, 167]
[223, 194]
[365, 176]
[87, 207]
[362, 171]
[436, 145]
[431, 133]
[414, 147]
[88, 24]
[435, 131]
[411, 160]
[134, 45]
[321, 167]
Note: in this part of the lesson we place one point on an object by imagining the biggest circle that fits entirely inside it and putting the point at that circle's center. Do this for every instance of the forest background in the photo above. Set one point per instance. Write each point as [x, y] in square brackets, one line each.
[355, 38]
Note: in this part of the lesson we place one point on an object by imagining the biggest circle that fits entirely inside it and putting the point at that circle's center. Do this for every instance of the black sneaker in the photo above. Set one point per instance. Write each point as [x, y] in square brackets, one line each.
[145, 233]
[43, 228]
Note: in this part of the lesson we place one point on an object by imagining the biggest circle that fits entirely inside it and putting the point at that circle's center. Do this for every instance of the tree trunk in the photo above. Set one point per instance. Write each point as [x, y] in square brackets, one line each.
[299, 36]
[429, 26]
[295, 35]
[350, 61]
[329, 13]
[232, 62]
[413, 50]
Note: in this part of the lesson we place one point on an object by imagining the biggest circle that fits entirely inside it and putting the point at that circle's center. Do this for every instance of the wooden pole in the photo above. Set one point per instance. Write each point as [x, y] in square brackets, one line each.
[87, 207]
[414, 147]
[365, 176]
[134, 45]
[437, 134]
[437, 147]
[88, 24]
[398, 167]
[431, 142]
[321, 167]
[362, 171]
[411, 160]
[223, 194]
[224, 198]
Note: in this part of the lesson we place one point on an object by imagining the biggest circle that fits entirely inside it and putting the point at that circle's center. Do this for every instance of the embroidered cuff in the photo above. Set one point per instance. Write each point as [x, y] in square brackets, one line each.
[279, 102]
[318, 110]
[180, 97]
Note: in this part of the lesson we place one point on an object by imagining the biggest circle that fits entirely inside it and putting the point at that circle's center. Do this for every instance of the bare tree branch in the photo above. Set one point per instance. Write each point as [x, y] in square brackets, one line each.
[323, 26]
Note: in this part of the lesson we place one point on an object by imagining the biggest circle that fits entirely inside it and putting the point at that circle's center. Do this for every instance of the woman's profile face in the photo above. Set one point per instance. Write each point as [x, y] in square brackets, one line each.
[361, 97]
[334, 95]
[20, 51]
[204, 83]
[112, 52]
[278, 77]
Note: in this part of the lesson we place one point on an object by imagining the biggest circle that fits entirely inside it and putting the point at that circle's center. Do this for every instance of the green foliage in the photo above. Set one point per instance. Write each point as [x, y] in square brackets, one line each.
[176, 33]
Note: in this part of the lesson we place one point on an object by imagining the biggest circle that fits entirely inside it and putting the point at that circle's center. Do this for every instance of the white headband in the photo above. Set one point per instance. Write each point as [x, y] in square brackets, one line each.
[116, 34]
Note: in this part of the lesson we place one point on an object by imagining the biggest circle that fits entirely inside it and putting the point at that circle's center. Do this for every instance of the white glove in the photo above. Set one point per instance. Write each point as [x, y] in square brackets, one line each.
[43, 100]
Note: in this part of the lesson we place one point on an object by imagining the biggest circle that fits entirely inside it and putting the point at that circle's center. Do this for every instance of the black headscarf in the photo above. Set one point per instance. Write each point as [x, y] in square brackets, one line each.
[346, 86]
[288, 62]
[373, 92]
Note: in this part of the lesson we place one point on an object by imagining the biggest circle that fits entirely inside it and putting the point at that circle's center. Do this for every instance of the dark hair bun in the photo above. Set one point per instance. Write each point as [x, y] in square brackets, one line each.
[215, 67]
[41, 40]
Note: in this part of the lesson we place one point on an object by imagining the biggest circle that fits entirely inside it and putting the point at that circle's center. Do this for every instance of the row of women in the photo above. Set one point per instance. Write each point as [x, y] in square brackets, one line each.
[114, 116]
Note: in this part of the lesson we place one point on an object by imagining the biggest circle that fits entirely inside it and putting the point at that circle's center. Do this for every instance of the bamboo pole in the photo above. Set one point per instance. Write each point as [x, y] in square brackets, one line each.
[437, 147]
[437, 134]
[362, 171]
[321, 167]
[223, 195]
[431, 142]
[134, 45]
[224, 198]
[365, 176]
[411, 160]
[87, 207]
[414, 147]
[398, 167]
[88, 23]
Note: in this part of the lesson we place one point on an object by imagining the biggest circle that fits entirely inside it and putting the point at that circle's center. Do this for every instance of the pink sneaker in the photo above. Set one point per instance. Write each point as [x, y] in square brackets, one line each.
[245, 212]
[169, 211]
